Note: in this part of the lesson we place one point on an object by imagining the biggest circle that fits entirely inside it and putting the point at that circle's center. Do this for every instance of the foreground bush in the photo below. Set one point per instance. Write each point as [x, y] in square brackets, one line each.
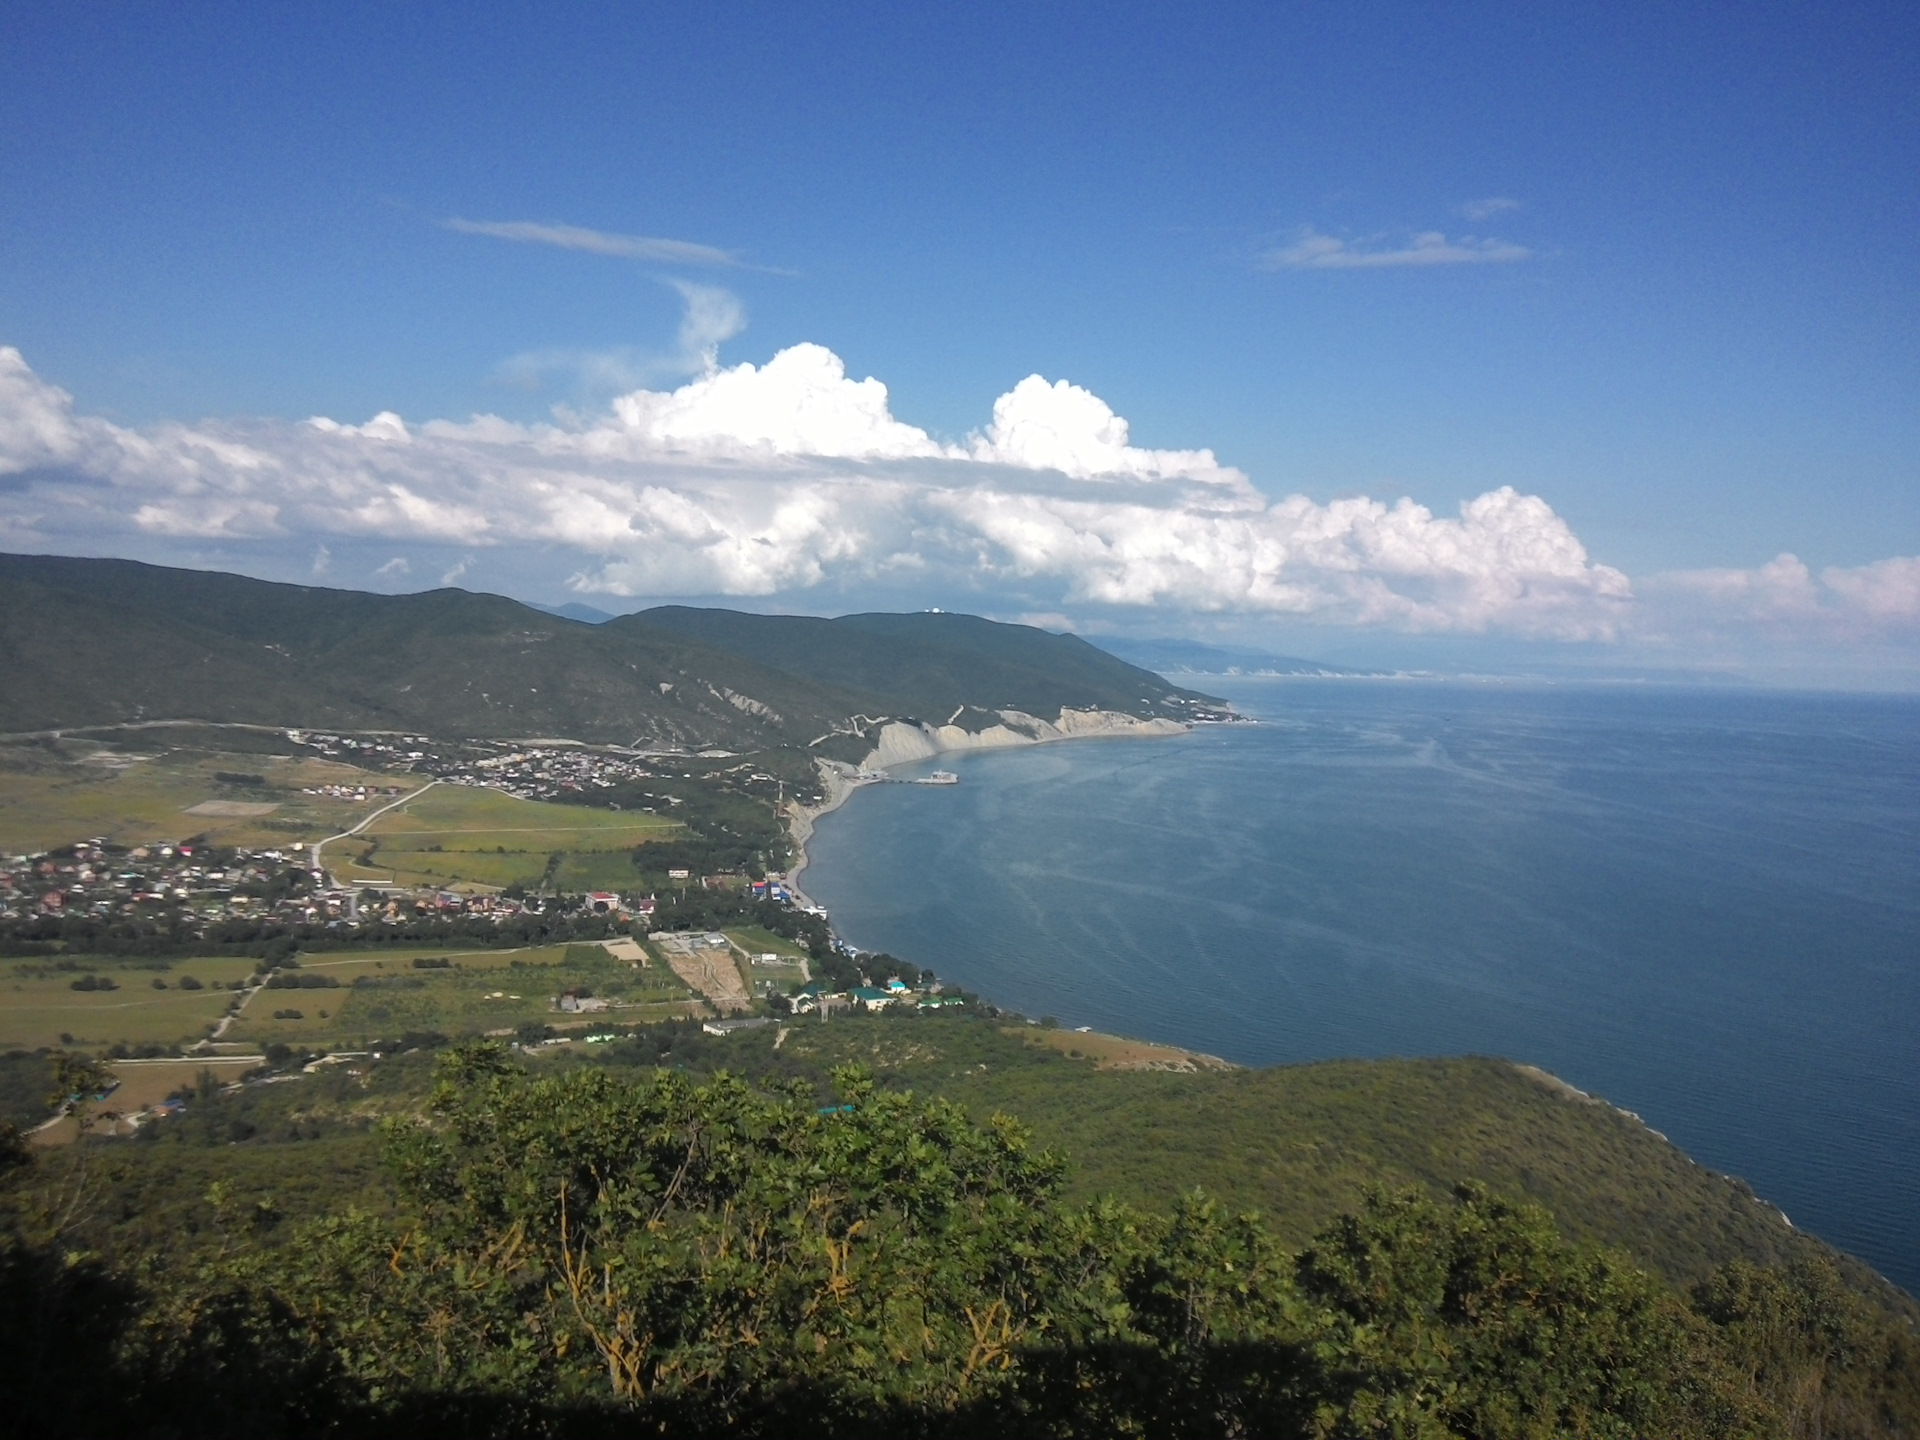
[584, 1254]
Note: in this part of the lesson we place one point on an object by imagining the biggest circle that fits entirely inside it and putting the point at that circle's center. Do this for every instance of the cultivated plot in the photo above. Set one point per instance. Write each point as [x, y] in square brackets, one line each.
[709, 965]
[151, 1003]
[345, 1000]
[772, 963]
[465, 836]
[57, 793]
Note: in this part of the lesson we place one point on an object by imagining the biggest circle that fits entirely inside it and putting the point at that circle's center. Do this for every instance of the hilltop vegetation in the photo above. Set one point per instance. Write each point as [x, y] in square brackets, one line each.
[105, 642]
[927, 665]
[612, 1248]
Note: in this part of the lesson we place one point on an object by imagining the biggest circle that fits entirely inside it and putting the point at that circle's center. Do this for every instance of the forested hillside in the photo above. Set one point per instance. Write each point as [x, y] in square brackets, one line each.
[678, 1234]
[99, 642]
[931, 664]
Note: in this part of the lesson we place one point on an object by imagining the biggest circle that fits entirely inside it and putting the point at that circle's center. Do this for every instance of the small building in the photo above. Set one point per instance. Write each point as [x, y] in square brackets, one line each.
[727, 1027]
[809, 998]
[872, 999]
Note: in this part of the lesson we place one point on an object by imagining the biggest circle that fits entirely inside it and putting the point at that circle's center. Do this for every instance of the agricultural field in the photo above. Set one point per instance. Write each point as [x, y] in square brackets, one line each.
[757, 940]
[765, 977]
[150, 1004]
[385, 995]
[54, 793]
[466, 837]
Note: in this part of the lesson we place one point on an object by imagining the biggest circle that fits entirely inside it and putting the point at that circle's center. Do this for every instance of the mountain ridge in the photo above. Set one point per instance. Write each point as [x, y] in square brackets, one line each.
[93, 642]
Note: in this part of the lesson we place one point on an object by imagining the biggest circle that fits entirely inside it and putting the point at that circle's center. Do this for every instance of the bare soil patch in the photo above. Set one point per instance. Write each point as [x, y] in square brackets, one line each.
[1113, 1052]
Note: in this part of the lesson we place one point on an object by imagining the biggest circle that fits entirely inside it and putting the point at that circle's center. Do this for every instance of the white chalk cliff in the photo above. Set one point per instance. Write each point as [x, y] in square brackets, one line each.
[901, 743]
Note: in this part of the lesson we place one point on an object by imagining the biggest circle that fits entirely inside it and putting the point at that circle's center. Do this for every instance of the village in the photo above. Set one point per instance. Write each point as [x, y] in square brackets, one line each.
[532, 770]
[198, 885]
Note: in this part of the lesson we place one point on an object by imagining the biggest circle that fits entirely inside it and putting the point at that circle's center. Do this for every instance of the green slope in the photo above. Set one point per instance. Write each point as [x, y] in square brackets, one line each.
[89, 642]
[1468, 1304]
[926, 666]
[96, 642]
[1302, 1143]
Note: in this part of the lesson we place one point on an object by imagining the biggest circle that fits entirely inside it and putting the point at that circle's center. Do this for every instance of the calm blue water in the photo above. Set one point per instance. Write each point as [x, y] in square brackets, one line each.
[1704, 906]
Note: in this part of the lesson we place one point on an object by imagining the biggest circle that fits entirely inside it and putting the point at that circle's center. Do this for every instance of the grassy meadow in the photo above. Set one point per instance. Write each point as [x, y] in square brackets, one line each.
[375, 994]
[53, 794]
[462, 836]
[757, 940]
[39, 1006]
[382, 995]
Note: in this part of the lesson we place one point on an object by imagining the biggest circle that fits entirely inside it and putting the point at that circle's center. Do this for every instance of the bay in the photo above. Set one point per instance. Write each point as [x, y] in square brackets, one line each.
[1703, 905]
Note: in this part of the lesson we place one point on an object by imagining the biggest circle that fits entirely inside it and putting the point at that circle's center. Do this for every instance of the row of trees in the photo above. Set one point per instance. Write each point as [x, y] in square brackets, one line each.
[276, 942]
[587, 1253]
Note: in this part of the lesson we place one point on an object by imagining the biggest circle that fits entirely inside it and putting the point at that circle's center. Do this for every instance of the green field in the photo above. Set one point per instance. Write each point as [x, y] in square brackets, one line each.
[38, 1005]
[348, 964]
[465, 836]
[56, 794]
[756, 940]
[382, 995]
[762, 980]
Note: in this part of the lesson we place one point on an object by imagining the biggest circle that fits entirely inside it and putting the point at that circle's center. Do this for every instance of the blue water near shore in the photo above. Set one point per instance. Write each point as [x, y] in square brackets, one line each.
[1704, 906]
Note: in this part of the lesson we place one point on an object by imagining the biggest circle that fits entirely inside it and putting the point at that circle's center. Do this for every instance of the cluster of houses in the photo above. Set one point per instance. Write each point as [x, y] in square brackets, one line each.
[358, 750]
[358, 794]
[546, 771]
[818, 998]
[533, 773]
[192, 882]
[110, 882]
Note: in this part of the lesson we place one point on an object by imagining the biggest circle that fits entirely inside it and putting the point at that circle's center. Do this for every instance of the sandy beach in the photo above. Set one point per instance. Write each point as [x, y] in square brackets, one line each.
[837, 779]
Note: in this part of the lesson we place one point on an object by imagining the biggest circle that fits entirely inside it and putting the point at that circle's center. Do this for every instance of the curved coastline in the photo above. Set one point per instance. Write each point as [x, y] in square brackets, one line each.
[904, 743]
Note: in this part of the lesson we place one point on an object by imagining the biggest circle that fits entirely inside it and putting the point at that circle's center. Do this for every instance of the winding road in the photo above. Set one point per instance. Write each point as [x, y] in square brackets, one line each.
[319, 845]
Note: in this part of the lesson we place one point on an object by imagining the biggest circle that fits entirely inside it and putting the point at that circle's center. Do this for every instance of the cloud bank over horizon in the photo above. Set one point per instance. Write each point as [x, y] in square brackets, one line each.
[792, 478]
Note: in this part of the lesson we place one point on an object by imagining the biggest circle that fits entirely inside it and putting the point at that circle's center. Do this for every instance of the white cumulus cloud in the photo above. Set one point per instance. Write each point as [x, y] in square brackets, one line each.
[781, 478]
[36, 419]
[1062, 427]
[1784, 595]
[799, 403]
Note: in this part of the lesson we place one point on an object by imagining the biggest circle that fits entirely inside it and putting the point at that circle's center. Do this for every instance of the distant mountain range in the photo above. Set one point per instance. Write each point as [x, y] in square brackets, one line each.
[96, 642]
[574, 610]
[1191, 657]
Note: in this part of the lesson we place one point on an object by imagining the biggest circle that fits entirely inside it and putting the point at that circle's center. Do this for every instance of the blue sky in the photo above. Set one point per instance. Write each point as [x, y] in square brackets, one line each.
[1661, 271]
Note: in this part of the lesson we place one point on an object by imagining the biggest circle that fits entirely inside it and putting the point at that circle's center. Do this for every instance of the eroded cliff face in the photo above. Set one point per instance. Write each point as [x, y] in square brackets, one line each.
[901, 743]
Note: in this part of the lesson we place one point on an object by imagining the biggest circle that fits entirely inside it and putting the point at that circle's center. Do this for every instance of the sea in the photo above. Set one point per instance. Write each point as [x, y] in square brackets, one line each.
[1703, 905]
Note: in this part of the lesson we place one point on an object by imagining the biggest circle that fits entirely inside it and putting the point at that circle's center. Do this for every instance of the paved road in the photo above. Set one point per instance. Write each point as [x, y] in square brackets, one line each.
[319, 845]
